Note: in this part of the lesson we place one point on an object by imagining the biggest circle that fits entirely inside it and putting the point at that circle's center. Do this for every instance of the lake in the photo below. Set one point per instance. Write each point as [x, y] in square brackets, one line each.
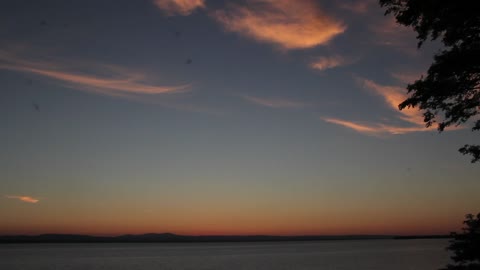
[419, 254]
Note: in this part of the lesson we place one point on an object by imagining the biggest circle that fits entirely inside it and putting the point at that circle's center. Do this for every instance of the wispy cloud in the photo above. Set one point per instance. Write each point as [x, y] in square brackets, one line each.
[360, 127]
[406, 78]
[274, 102]
[358, 6]
[179, 7]
[26, 199]
[101, 79]
[392, 96]
[289, 24]
[387, 32]
[328, 62]
[375, 129]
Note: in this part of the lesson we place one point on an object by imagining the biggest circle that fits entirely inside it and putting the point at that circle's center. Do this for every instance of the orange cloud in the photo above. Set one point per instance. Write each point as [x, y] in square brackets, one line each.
[355, 126]
[406, 78]
[180, 7]
[387, 32]
[392, 96]
[113, 81]
[375, 128]
[359, 7]
[289, 24]
[274, 102]
[27, 199]
[323, 63]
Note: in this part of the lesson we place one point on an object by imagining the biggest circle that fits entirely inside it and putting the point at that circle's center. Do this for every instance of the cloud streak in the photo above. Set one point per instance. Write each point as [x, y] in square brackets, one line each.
[375, 129]
[324, 63]
[358, 6]
[101, 79]
[287, 24]
[274, 102]
[26, 199]
[406, 78]
[387, 32]
[391, 96]
[179, 7]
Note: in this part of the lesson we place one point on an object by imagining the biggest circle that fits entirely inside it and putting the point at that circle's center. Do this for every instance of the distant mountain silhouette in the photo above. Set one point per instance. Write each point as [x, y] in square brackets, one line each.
[170, 237]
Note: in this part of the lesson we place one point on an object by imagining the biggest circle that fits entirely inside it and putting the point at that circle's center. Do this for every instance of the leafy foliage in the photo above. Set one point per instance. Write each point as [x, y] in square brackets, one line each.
[466, 246]
[450, 92]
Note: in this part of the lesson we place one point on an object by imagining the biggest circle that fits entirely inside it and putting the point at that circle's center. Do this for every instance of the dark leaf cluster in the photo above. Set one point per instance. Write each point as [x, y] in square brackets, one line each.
[466, 245]
[449, 95]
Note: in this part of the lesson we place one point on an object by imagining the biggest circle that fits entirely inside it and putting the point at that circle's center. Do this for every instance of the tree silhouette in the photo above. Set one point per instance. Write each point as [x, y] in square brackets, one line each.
[450, 92]
[466, 246]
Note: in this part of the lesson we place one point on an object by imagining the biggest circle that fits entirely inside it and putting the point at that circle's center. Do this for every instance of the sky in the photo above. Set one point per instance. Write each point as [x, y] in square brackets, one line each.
[214, 117]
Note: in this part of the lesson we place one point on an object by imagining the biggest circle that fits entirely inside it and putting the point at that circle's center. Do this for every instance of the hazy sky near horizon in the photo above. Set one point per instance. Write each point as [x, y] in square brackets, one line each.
[220, 117]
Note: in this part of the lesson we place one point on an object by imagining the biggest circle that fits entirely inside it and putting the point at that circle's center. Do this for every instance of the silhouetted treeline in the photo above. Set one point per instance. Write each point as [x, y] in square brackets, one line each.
[440, 236]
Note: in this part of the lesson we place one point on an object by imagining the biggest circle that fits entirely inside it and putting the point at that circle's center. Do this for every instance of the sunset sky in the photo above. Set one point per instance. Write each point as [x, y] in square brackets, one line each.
[220, 117]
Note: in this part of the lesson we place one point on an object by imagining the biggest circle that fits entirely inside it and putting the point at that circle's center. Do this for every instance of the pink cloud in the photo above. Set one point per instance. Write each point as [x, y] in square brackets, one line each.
[363, 128]
[323, 63]
[406, 77]
[274, 102]
[375, 129]
[289, 24]
[26, 199]
[387, 32]
[358, 6]
[113, 81]
[391, 97]
[179, 7]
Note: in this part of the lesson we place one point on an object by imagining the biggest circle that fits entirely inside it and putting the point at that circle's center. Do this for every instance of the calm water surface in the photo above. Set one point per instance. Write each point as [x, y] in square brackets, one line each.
[328, 255]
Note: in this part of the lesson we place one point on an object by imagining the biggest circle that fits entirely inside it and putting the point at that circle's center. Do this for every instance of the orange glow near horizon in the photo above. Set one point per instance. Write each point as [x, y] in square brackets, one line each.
[196, 210]
[231, 225]
[196, 117]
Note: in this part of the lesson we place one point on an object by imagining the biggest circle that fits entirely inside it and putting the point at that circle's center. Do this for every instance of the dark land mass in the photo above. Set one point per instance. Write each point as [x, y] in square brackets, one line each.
[438, 236]
[174, 238]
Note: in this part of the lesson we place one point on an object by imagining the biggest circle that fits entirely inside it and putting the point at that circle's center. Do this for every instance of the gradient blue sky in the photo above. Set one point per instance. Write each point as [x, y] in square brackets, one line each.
[284, 122]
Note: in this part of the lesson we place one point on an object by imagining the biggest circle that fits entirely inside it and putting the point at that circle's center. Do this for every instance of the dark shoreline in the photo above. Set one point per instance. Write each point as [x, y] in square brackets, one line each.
[173, 238]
